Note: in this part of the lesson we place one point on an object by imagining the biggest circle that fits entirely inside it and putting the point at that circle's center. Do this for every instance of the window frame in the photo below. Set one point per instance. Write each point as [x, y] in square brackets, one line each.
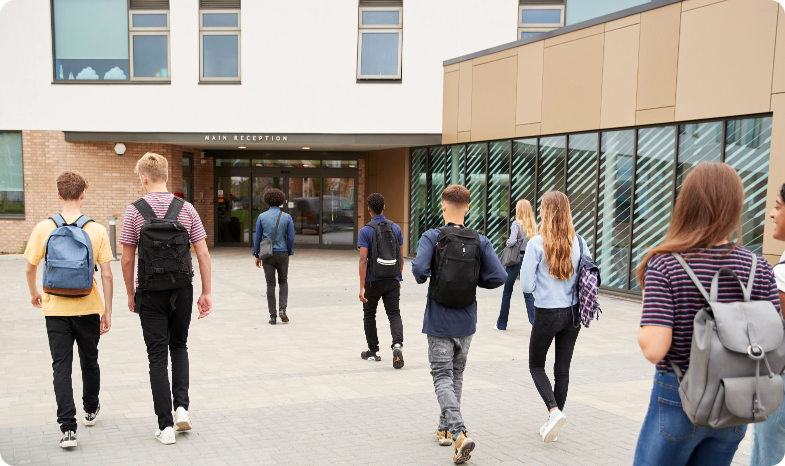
[23, 215]
[537, 30]
[379, 29]
[149, 31]
[539, 27]
[362, 9]
[220, 31]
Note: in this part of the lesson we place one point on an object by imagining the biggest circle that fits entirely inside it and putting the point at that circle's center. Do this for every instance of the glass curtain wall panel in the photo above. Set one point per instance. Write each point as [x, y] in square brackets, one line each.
[551, 167]
[697, 142]
[12, 186]
[436, 170]
[748, 145]
[582, 183]
[523, 172]
[498, 219]
[476, 172]
[338, 211]
[456, 162]
[614, 206]
[418, 198]
[654, 178]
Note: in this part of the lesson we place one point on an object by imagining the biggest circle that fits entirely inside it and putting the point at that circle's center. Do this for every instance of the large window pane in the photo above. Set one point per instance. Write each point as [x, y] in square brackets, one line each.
[91, 39]
[456, 160]
[233, 222]
[338, 211]
[498, 223]
[261, 184]
[12, 188]
[303, 196]
[221, 55]
[418, 206]
[149, 20]
[613, 207]
[220, 20]
[524, 164]
[697, 142]
[151, 56]
[379, 54]
[748, 149]
[476, 183]
[654, 178]
[339, 163]
[551, 171]
[436, 170]
[582, 183]
[541, 16]
[285, 163]
[381, 17]
[232, 163]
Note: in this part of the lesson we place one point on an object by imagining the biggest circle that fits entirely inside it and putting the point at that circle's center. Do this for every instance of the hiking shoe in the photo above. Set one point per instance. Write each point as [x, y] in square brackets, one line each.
[283, 317]
[272, 320]
[371, 355]
[445, 437]
[182, 421]
[165, 436]
[397, 356]
[551, 430]
[89, 418]
[68, 440]
[542, 429]
[463, 448]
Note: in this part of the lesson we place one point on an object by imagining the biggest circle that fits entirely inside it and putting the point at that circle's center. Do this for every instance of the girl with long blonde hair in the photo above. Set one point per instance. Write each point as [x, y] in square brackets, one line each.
[522, 229]
[549, 271]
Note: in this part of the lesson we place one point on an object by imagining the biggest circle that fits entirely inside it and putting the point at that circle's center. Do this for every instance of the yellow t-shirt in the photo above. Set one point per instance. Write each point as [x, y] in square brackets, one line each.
[102, 252]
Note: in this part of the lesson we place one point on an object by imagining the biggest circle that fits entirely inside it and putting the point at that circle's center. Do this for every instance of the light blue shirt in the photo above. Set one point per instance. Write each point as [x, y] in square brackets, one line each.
[549, 292]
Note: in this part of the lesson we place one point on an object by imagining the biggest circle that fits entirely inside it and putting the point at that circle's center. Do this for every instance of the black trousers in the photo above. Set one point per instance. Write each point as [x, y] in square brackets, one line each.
[63, 332]
[165, 331]
[389, 291]
[279, 263]
[549, 325]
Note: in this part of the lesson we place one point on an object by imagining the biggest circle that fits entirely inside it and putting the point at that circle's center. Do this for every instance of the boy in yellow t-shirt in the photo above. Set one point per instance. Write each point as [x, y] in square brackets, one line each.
[82, 320]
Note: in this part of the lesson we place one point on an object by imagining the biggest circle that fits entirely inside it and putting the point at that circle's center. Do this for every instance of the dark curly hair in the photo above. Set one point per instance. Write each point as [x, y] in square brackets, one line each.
[782, 192]
[273, 197]
[376, 203]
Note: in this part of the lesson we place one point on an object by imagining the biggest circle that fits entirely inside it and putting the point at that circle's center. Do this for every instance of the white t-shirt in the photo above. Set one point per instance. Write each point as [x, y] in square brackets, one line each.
[779, 274]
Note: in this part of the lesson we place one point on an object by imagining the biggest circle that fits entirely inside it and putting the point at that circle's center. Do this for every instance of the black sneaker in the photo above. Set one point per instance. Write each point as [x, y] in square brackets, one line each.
[283, 317]
[272, 320]
[68, 440]
[371, 355]
[89, 418]
[397, 356]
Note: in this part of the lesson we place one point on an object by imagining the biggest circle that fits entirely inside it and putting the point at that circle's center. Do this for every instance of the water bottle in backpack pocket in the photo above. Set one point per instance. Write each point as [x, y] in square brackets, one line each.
[456, 267]
[68, 261]
[385, 260]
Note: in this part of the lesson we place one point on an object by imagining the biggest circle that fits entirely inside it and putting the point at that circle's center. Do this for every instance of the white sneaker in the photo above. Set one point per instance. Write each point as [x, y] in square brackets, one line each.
[542, 429]
[182, 421]
[552, 427]
[166, 436]
[496, 326]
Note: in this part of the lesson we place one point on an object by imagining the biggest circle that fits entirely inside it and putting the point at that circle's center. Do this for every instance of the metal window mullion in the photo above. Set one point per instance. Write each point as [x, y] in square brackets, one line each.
[487, 186]
[566, 155]
[632, 208]
[674, 178]
[510, 211]
[724, 140]
[536, 175]
[427, 186]
[597, 196]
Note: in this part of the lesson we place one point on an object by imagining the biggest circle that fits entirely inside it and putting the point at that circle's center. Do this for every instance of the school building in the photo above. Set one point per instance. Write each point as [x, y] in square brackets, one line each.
[610, 101]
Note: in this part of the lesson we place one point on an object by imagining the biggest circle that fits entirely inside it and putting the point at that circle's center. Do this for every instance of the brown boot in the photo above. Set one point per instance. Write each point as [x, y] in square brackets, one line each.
[463, 448]
[445, 437]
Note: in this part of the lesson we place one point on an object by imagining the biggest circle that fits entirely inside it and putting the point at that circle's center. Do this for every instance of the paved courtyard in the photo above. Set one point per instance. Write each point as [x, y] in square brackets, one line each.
[299, 394]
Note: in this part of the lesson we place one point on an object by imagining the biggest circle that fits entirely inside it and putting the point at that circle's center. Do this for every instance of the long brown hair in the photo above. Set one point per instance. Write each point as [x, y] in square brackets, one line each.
[558, 234]
[524, 215]
[707, 212]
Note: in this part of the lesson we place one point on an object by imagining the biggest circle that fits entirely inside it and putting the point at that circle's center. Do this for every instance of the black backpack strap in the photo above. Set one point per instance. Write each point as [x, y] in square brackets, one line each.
[144, 209]
[59, 220]
[174, 208]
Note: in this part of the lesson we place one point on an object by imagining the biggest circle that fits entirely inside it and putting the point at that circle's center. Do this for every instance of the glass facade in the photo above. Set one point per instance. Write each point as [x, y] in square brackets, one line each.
[12, 187]
[622, 184]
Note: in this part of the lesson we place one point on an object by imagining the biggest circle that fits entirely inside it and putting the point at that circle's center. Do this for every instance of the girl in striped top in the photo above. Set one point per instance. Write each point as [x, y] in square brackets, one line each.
[707, 215]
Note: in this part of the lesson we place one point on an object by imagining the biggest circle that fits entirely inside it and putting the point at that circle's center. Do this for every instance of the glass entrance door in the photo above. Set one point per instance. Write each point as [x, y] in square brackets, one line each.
[232, 221]
[303, 205]
[260, 185]
[338, 211]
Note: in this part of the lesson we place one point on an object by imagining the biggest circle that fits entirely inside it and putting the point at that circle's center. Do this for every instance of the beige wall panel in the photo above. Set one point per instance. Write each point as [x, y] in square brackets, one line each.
[529, 92]
[776, 173]
[624, 22]
[524, 131]
[773, 260]
[722, 74]
[687, 5]
[779, 58]
[620, 77]
[465, 97]
[450, 108]
[580, 34]
[464, 136]
[572, 86]
[493, 99]
[451, 68]
[496, 56]
[655, 115]
[658, 57]
[390, 182]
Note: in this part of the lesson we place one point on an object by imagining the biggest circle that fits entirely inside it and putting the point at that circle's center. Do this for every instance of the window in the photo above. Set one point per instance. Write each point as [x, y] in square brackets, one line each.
[582, 183]
[550, 169]
[188, 177]
[380, 40]
[498, 194]
[219, 40]
[538, 17]
[12, 189]
[149, 41]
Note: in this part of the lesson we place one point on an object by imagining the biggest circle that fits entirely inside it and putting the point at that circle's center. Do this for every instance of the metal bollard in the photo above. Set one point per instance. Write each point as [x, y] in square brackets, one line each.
[112, 236]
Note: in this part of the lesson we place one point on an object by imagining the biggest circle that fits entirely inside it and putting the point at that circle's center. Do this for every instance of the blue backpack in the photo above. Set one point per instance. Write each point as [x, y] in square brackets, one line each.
[68, 261]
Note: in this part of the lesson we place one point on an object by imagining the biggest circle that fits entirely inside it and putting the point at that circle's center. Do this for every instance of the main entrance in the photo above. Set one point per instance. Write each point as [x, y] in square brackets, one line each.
[321, 197]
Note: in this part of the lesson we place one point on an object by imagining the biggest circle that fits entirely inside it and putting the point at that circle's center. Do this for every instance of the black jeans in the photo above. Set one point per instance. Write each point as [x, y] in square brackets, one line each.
[165, 331]
[278, 263]
[63, 332]
[389, 291]
[550, 324]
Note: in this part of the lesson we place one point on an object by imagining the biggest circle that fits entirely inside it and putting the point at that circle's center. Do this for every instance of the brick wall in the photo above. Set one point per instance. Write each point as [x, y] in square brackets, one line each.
[113, 184]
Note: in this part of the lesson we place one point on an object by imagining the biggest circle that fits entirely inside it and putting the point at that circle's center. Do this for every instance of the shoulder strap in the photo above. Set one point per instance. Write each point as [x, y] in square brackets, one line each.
[144, 209]
[275, 232]
[372, 224]
[751, 280]
[82, 221]
[580, 243]
[691, 275]
[174, 208]
[58, 219]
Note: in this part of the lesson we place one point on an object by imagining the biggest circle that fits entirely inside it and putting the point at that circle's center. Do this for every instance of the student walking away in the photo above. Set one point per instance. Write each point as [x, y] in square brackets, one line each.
[272, 246]
[522, 228]
[72, 246]
[768, 438]
[457, 260]
[549, 270]
[697, 255]
[381, 267]
[164, 227]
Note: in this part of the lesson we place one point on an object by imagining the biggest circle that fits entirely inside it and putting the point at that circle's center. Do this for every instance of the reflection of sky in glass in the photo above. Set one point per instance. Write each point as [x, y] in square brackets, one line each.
[379, 54]
[217, 20]
[149, 20]
[381, 17]
[541, 16]
[221, 56]
[151, 56]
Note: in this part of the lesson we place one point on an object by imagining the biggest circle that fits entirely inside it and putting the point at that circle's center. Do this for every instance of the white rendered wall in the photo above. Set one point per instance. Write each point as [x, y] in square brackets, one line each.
[298, 72]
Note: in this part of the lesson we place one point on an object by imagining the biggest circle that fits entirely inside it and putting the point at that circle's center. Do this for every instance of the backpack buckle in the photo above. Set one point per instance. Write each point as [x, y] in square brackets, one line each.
[158, 244]
[158, 270]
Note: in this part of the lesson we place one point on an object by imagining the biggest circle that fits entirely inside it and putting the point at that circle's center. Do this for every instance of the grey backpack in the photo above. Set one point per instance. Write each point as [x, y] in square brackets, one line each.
[726, 384]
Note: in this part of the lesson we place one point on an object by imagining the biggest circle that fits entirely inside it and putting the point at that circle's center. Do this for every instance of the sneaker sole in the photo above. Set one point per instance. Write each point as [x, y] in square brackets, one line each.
[90, 423]
[284, 319]
[551, 436]
[466, 450]
[68, 444]
[445, 442]
[397, 358]
[166, 442]
[182, 426]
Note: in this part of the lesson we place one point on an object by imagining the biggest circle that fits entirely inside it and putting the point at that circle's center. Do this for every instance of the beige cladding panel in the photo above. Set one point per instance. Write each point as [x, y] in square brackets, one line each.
[654, 116]
[450, 108]
[493, 102]
[464, 136]
[658, 57]
[687, 5]
[465, 97]
[724, 74]
[776, 173]
[529, 93]
[623, 22]
[779, 58]
[620, 77]
[524, 131]
[572, 86]
[571, 36]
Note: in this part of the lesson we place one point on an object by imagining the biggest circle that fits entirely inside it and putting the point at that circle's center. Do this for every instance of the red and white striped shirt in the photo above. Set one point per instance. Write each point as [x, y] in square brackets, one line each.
[133, 221]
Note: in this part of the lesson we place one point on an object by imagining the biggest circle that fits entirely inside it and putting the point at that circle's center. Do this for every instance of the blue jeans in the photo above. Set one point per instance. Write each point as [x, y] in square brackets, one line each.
[512, 274]
[768, 439]
[669, 438]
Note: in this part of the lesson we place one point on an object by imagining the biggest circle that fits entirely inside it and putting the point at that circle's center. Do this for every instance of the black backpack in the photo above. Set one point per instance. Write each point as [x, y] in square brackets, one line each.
[456, 267]
[164, 249]
[385, 257]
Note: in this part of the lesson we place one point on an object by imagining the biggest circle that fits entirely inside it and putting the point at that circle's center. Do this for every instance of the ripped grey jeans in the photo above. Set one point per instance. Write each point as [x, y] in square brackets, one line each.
[448, 360]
